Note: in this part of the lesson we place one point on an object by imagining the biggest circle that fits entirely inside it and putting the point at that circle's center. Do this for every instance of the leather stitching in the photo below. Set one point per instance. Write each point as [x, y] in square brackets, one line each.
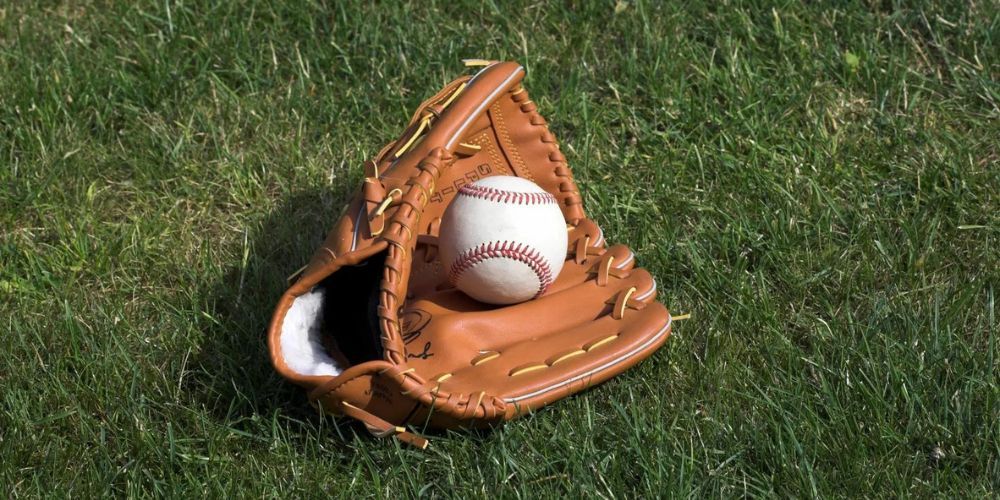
[571, 197]
[484, 358]
[518, 162]
[591, 372]
[520, 252]
[590, 346]
[495, 155]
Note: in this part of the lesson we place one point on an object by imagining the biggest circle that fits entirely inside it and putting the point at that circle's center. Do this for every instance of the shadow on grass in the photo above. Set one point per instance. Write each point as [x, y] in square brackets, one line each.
[232, 374]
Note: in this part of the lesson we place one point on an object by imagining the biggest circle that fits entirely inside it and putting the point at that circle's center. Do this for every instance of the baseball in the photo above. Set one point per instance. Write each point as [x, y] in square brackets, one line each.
[503, 240]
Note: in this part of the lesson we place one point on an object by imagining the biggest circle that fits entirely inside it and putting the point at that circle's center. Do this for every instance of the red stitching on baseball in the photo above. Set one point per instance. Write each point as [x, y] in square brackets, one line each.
[520, 252]
[504, 196]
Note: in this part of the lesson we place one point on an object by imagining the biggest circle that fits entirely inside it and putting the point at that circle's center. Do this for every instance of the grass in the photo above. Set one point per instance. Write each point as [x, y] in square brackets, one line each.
[818, 185]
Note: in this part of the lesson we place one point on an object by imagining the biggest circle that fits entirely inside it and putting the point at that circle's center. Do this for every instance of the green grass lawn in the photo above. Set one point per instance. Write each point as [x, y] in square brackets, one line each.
[818, 186]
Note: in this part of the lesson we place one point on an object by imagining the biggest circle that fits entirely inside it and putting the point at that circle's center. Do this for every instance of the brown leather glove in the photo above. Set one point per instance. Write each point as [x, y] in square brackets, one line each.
[371, 328]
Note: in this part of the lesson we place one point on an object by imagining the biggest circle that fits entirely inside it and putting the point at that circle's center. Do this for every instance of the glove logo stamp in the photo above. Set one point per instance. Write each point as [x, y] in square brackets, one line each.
[412, 325]
[425, 354]
[447, 192]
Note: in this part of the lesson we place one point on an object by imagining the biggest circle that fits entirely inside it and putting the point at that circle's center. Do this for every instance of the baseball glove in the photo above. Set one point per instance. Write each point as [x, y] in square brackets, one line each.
[370, 326]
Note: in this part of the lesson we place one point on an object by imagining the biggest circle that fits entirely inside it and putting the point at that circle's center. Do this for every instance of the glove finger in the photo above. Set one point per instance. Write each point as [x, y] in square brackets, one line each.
[452, 332]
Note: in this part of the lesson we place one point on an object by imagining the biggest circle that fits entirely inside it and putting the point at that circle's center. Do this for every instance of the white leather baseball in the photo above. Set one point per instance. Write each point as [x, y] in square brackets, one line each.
[503, 240]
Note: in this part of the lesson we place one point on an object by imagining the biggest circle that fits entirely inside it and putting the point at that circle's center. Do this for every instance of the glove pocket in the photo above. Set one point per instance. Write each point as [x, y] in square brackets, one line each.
[327, 321]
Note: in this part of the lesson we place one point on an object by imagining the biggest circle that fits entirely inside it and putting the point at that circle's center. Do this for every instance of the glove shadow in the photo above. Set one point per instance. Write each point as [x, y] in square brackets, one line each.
[231, 375]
